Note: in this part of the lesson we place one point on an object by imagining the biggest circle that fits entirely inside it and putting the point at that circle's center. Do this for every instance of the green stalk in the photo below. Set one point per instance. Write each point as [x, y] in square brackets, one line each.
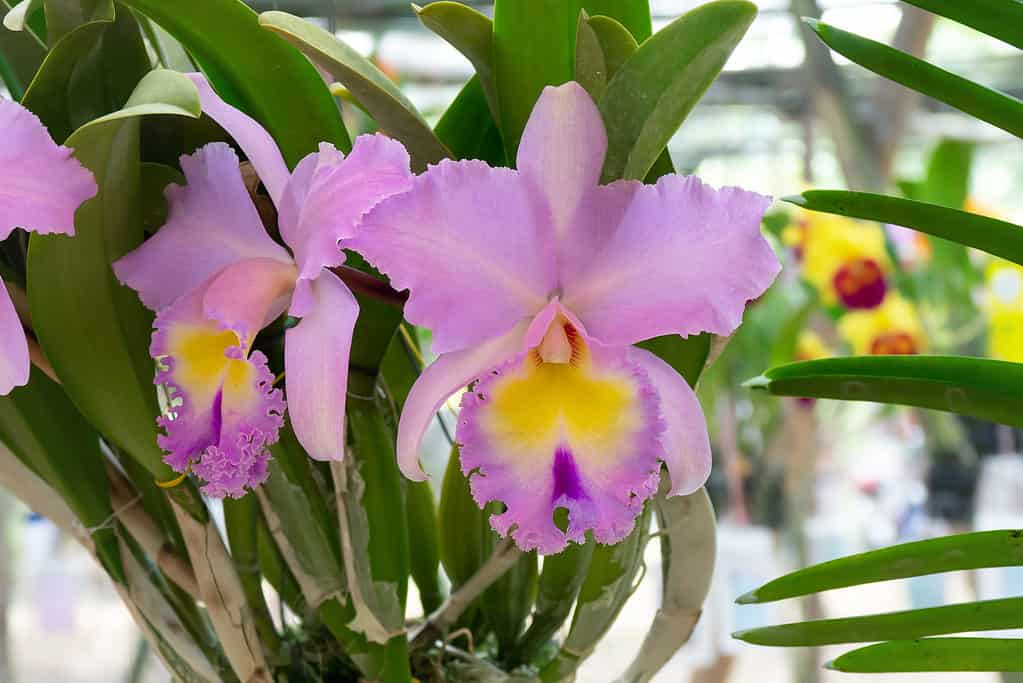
[240, 518]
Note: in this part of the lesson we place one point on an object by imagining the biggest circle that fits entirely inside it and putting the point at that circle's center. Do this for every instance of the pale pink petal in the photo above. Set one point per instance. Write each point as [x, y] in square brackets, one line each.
[211, 223]
[41, 184]
[14, 360]
[583, 436]
[445, 376]
[316, 368]
[561, 155]
[329, 194]
[259, 147]
[467, 244]
[245, 296]
[686, 443]
[685, 259]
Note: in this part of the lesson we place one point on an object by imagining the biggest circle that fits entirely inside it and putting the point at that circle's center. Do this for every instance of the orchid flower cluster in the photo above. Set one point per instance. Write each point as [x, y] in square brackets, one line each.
[847, 263]
[535, 282]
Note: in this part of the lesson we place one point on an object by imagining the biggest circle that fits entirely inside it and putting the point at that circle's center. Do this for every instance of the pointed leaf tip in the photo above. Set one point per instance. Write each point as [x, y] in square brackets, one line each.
[416, 8]
[741, 634]
[749, 598]
[797, 199]
[760, 382]
[830, 665]
[815, 24]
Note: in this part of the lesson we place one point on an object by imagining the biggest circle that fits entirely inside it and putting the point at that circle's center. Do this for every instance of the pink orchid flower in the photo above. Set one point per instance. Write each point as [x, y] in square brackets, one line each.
[43, 187]
[216, 278]
[536, 283]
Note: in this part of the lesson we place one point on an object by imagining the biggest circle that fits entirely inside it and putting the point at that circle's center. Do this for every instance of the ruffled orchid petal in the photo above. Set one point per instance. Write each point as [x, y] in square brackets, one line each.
[466, 244]
[43, 185]
[260, 149]
[443, 378]
[329, 194]
[211, 223]
[316, 368]
[580, 433]
[14, 358]
[561, 155]
[685, 440]
[685, 259]
[223, 411]
[246, 296]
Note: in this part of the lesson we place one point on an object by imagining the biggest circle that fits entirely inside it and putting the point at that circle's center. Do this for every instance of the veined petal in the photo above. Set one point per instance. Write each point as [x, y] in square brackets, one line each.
[259, 147]
[685, 440]
[222, 409]
[685, 259]
[211, 223]
[245, 296]
[561, 155]
[581, 434]
[466, 243]
[329, 194]
[41, 184]
[14, 359]
[443, 377]
[316, 368]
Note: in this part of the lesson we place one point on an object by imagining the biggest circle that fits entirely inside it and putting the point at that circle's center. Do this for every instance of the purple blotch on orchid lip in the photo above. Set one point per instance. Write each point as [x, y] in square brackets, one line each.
[566, 476]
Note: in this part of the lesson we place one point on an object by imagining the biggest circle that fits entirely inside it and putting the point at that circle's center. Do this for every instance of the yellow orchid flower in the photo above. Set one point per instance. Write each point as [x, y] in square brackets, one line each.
[1005, 306]
[893, 328]
[844, 259]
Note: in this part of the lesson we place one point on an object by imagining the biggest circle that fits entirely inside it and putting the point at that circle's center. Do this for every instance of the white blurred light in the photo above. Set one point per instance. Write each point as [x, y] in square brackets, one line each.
[360, 41]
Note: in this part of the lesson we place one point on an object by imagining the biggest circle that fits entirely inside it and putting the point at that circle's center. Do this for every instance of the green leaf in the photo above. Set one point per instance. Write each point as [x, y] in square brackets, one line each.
[616, 43]
[945, 554]
[463, 526]
[16, 17]
[468, 128]
[997, 18]
[64, 16]
[634, 15]
[947, 181]
[255, 71]
[986, 104]
[996, 237]
[22, 53]
[687, 356]
[169, 51]
[935, 654]
[376, 92]
[988, 615]
[42, 428]
[241, 521]
[590, 68]
[94, 331]
[529, 55]
[425, 561]
[656, 88]
[987, 389]
[471, 33]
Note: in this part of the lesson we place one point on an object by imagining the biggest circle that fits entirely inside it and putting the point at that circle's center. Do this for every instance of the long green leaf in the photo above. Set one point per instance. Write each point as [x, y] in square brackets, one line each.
[994, 236]
[656, 88]
[530, 54]
[986, 104]
[94, 331]
[989, 615]
[934, 654]
[376, 92]
[471, 33]
[1002, 19]
[949, 553]
[987, 389]
[254, 70]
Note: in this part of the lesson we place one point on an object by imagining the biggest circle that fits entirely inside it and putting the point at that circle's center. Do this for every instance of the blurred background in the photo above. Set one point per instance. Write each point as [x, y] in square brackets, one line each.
[795, 481]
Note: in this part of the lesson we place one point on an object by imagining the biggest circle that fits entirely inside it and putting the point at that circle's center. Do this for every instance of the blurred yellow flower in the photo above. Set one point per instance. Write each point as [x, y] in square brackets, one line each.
[1005, 309]
[844, 259]
[810, 346]
[891, 329]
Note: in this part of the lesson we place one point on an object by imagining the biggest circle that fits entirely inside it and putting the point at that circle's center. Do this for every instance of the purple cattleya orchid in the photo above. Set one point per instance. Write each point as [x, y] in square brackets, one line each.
[43, 186]
[536, 283]
[216, 278]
